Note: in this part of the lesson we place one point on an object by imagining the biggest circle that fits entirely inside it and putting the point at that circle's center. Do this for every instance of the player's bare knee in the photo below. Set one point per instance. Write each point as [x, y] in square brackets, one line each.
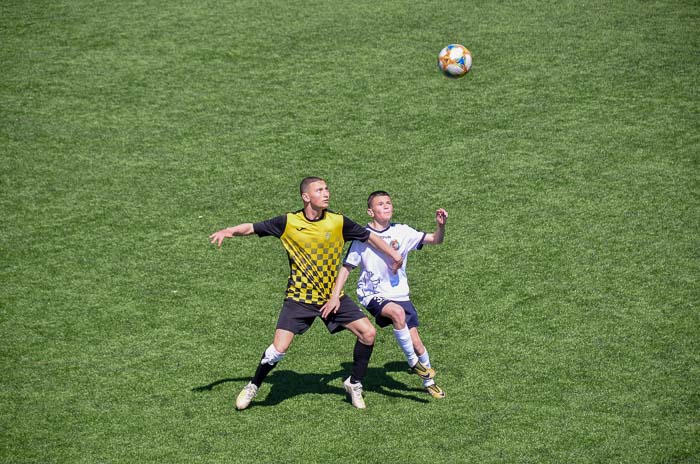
[395, 313]
[282, 340]
[368, 336]
[280, 347]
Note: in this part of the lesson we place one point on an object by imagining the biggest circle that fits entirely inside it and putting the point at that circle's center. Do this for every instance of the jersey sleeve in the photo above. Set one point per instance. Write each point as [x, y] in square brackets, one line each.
[415, 238]
[274, 227]
[354, 231]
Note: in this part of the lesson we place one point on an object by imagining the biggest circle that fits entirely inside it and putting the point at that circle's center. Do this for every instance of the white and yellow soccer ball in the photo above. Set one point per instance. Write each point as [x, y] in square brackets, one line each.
[455, 61]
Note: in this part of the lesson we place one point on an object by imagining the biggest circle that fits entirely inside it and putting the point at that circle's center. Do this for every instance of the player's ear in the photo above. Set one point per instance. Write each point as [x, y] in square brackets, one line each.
[370, 213]
[305, 197]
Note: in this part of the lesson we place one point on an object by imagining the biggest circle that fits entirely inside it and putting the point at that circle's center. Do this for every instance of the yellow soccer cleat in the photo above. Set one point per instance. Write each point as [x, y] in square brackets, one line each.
[435, 391]
[425, 373]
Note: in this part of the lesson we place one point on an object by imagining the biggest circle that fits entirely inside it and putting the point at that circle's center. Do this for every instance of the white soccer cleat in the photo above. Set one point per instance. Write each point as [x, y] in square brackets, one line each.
[246, 396]
[355, 392]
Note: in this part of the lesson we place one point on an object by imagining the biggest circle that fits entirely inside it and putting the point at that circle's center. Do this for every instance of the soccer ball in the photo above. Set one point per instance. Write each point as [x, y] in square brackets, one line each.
[455, 61]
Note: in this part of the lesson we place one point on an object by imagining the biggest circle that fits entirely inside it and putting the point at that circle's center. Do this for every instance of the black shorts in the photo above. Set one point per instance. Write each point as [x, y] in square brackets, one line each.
[377, 303]
[297, 317]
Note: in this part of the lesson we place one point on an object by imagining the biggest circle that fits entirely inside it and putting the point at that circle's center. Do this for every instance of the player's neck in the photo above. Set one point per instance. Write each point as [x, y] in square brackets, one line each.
[379, 225]
[312, 214]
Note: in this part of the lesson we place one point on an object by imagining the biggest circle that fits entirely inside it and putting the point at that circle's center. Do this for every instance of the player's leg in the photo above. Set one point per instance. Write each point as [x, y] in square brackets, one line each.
[417, 343]
[429, 384]
[397, 315]
[349, 316]
[403, 315]
[271, 356]
[422, 368]
[387, 312]
[362, 352]
[294, 318]
[364, 345]
[366, 334]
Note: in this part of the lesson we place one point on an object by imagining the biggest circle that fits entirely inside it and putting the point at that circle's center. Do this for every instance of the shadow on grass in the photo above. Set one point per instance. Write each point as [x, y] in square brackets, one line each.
[285, 384]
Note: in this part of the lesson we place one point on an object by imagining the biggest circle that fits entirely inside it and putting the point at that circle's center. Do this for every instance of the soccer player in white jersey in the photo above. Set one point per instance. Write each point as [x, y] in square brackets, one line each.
[385, 293]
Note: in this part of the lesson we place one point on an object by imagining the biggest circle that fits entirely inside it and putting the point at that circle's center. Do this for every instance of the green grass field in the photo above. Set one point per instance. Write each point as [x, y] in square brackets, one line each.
[561, 313]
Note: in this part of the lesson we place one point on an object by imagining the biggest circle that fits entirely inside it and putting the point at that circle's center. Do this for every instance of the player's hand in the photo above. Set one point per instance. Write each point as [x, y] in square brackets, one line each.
[441, 217]
[331, 306]
[218, 237]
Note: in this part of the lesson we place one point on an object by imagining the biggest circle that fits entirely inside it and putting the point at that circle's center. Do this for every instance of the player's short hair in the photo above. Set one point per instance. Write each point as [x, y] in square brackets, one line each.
[378, 193]
[306, 181]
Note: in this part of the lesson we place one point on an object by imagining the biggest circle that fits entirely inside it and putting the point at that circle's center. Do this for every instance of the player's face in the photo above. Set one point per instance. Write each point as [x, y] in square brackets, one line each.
[382, 209]
[317, 195]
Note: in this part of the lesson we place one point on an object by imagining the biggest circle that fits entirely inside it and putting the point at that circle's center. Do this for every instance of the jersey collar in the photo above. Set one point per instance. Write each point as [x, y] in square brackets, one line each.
[320, 218]
[380, 231]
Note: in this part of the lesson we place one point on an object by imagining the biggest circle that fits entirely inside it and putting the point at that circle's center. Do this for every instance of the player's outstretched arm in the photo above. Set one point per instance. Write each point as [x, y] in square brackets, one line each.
[438, 236]
[380, 245]
[333, 302]
[241, 229]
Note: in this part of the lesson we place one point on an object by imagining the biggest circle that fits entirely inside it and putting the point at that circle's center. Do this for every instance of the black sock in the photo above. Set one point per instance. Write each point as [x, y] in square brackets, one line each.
[261, 372]
[360, 360]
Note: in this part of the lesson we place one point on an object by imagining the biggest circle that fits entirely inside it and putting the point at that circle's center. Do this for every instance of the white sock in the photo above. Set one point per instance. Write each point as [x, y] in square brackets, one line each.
[271, 356]
[425, 360]
[403, 336]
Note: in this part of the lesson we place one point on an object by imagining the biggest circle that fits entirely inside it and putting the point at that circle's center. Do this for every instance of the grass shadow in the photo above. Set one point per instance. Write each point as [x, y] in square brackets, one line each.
[286, 384]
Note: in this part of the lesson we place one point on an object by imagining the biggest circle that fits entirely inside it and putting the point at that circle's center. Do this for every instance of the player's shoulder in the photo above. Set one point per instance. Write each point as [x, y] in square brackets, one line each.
[399, 226]
[335, 218]
[292, 216]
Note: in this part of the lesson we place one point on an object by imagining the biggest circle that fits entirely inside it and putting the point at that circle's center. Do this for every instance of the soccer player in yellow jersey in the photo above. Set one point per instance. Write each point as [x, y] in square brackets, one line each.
[314, 238]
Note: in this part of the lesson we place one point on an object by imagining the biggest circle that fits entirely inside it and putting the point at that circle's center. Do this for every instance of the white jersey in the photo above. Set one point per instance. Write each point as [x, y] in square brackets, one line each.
[376, 277]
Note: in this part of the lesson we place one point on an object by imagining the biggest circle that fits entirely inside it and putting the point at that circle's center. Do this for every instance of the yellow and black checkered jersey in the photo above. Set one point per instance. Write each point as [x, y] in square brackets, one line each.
[314, 249]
